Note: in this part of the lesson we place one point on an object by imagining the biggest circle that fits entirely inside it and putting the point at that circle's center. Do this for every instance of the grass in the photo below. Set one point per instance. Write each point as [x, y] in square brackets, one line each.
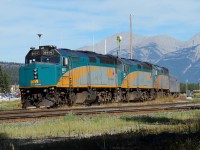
[80, 126]
[8, 105]
[164, 130]
[196, 99]
[69, 126]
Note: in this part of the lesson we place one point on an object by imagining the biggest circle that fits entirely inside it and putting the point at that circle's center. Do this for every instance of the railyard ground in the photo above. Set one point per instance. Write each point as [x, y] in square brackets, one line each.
[164, 130]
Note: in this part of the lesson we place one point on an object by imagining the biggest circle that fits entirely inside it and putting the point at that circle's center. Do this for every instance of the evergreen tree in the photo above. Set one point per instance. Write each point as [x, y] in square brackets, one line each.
[1, 80]
[4, 82]
[189, 86]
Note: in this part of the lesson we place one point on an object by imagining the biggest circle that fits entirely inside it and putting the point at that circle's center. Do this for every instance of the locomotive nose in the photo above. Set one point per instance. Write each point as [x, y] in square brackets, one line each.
[38, 75]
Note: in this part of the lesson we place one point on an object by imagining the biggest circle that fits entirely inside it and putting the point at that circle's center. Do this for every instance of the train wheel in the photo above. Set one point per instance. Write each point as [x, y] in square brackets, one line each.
[91, 97]
[26, 102]
[109, 97]
[50, 100]
[131, 96]
[159, 94]
[152, 95]
[72, 98]
[147, 96]
[143, 97]
[118, 96]
[46, 103]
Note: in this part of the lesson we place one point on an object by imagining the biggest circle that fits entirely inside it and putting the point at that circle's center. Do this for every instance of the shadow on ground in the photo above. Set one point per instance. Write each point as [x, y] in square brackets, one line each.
[125, 141]
[157, 120]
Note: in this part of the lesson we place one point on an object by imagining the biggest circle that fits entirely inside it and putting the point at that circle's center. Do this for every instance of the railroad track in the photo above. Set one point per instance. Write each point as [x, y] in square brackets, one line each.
[38, 113]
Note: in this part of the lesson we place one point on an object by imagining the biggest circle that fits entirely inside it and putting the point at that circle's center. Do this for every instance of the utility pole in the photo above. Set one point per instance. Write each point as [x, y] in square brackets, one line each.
[93, 42]
[39, 35]
[186, 87]
[105, 48]
[131, 51]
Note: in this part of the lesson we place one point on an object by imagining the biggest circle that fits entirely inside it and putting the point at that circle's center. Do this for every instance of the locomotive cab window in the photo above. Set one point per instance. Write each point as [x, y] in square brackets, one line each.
[155, 72]
[125, 68]
[139, 66]
[50, 59]
[42, 59]
[92, 59]
[65, 61]
[44, 54]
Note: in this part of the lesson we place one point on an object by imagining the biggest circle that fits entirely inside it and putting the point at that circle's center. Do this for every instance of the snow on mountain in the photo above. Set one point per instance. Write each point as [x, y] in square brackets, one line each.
[183, 63]
[181, 57]
[195, 40]
[112, 44]
[165, 44]
[187, 68]
[145, 48]
[196, 54]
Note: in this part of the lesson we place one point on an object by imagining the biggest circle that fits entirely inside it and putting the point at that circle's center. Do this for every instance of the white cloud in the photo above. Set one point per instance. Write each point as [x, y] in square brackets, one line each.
[74, 22]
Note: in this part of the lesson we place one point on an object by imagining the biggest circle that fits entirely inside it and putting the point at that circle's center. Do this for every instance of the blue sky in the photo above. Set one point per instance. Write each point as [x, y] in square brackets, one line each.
[74, 23]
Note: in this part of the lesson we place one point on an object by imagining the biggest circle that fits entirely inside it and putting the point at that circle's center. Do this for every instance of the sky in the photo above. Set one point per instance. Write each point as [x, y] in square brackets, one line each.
[76, 23]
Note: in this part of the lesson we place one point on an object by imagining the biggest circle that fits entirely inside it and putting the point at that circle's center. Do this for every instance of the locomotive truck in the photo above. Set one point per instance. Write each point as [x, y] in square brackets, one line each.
[55, 76]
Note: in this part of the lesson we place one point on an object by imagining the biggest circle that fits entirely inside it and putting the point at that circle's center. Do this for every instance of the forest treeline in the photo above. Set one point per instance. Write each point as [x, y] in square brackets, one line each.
[9, 75]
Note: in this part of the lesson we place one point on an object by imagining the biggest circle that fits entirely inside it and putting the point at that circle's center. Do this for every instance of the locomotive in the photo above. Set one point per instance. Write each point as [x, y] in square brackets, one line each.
[54, 76]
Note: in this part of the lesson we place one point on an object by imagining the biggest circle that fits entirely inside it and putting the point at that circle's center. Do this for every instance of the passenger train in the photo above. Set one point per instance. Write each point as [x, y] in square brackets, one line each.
[55, 76]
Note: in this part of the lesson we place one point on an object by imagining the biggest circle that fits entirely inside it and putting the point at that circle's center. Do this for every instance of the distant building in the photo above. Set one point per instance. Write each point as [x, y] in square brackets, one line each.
[14, 89]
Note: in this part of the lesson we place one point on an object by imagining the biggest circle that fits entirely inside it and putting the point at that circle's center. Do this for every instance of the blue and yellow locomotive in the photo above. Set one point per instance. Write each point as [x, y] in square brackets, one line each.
[53, 76]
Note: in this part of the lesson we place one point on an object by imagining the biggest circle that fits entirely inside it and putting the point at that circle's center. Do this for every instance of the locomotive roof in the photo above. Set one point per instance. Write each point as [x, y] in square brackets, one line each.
[133, 62]
[82, 53]
[76, 53]
[69, 52]
[106, 59]
[130, 61]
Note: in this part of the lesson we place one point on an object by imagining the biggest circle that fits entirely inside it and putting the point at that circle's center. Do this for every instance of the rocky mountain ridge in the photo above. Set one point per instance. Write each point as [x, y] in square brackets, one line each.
[181, 57]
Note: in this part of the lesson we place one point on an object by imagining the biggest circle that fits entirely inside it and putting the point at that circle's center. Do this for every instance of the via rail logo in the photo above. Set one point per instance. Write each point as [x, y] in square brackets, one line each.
[35, 82]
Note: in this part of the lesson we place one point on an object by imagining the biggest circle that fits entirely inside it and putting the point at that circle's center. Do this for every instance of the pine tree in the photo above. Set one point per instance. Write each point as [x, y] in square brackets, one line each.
[6, 83]
[1, 80]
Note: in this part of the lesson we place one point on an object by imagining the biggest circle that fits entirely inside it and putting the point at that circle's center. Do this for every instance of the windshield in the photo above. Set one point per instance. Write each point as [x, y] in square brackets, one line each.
[44, 59]
[45, 54]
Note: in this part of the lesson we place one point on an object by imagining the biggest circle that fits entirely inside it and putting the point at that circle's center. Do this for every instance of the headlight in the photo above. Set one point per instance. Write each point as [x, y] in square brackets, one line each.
[35, 73]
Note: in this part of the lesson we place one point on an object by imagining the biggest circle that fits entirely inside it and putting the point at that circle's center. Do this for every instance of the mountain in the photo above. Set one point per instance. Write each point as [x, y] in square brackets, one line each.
[145, 48]
[181, 57]
[184, 63]
[164, 43]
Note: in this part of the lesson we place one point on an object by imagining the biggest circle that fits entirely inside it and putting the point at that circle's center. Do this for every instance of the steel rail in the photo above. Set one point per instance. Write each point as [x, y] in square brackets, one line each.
[19, 111]
[20, 114]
